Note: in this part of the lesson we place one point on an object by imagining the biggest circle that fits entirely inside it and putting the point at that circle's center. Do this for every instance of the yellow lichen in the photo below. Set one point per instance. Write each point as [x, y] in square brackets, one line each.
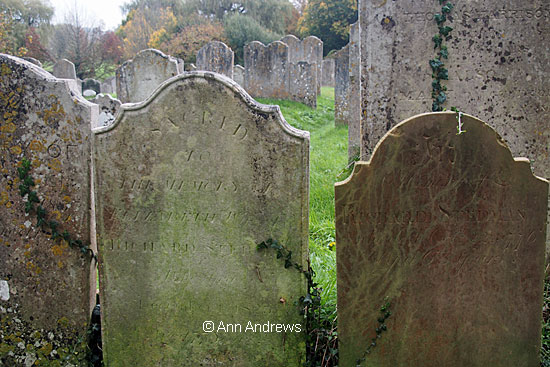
[57, 214]
[8, 128]
[16, 149]
[55, 164]
[4, 197]
[36, 145]
[66, 199]
[57, 250]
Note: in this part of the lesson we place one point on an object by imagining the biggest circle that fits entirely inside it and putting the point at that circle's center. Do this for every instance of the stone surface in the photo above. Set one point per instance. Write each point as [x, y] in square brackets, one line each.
[328, 72]
[217, 57]
[266, 69]
[92, 84]
[310, 49]
[89, 93]
[341, 88]
[303, 82]
[238, 74]
[354, 101]
[33, 60]
[51, 285]
[64, 69]
[450, 228]
[108, 108]
[188, 183]
[136, 79]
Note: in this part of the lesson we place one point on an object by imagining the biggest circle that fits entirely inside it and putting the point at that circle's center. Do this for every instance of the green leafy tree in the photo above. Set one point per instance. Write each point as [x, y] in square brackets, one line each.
[329, 20]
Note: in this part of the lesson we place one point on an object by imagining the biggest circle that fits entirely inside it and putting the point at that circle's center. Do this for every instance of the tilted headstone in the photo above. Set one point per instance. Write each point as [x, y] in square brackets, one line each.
[327, 79]
[188, 183]
[354, 101]
[303, 82]
[64, 69]
[266, 69]
[108, 108]
[217, 57]
[92, 84]
[136, 79]
[47, 287]
[449, 230]
[341, 87]
[238, 74]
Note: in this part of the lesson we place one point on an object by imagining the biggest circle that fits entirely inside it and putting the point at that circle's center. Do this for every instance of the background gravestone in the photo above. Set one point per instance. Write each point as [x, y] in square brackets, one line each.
[188, 183]
[92, 84]
[266, 69]
[48, 287]
[354, 101]
[136, 79]
[238, 74]
[33, 60]
[217, 57]
[450, 229]
[303, 82]
[310, 49]
[328, 72]
[108, 108]
[64, 69]
[341, 86]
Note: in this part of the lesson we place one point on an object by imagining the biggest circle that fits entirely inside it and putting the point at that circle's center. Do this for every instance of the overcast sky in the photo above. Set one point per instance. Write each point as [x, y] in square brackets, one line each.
[106, 11]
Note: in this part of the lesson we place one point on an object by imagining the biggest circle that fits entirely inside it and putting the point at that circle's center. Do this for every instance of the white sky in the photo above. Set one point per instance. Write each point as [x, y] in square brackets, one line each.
[95, 11]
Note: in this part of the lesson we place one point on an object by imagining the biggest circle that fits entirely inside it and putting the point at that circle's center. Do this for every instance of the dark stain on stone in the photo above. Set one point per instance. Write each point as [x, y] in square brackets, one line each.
[387, 23]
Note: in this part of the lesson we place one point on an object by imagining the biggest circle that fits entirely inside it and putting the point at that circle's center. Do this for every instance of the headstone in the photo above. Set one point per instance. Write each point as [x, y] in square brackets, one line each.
[64, 69]
[327, 79]
[139, 77]
[266, 69]
[89, 93]
[47, 288]
[108, 108]
[217, 57]
[92, 84]
[449, 230]
[310, 49]
[189, 183]
[238, 74]
[341, 87]
[33, 60]
[108, 86]
[354, 101]
[295, 48]
[303, 82]
[181, 66]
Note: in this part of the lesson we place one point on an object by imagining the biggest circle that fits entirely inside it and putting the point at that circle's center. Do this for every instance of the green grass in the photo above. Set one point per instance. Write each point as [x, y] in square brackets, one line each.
[328, 158]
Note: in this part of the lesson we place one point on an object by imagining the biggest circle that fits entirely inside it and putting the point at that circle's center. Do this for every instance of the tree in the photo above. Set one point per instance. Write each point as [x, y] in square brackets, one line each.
[329, 20]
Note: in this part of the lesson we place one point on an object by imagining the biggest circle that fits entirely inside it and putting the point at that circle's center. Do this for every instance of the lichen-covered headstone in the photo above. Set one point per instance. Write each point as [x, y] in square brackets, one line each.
[187, 184]
[341, 86]
[328, 72]
[64, 69]
[238, 74]
[310, 50]
[47, 287]
[33, 60]
[136, 79]
[108, 108]
[216, 56]
[354, 101]
[303, 83]
[266, 69]
[449, 230]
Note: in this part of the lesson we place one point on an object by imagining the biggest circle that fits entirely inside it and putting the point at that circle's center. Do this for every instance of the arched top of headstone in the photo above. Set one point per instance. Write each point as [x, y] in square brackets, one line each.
[313, 40]
[152, 52]
[33, 60]
[186, 80]
[275, 45]
[290, 39]
[216, 44]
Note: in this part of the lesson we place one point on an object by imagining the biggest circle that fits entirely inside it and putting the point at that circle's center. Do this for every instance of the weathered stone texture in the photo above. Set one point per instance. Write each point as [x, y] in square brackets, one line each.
[266, 69]
[64, 69]
[451, 229]
[109, 86]
[136, 79]
[310, 49]
[33, 60]
[188, 184]
[238, 74]
[354, 101]
[108, 108]
[341, 88]
[217, 57]
[303, 82]
[48, 287]
[328, 72]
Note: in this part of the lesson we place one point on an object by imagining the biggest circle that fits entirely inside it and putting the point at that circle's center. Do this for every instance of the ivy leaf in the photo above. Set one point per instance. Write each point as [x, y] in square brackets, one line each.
[443, 74]
[440, 18]
[28, 207]
[435, 64]
[444, 53]
[437, 41]
[447, 8]
[444, 31]
[23, 190]
[26, 164]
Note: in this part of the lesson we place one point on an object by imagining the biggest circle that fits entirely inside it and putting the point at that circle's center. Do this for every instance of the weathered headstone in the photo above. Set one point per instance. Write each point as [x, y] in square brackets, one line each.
[108, 108]
[188, 183]
[354, 100]
[136, 79]
[181, 65]
[328, 72]
[64, 69]
[341, 86]
[303, 83]
[33, 60]
[238, 74]
[92, 84]
[47, 288]
[266, 69]
[450, 230]
[217, 57]
[310, 49]
[295, 48]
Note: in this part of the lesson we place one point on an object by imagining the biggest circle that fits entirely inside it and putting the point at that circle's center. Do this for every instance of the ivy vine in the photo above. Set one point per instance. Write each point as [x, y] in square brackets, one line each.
[385, 312]
[25, 190]
[437, 64]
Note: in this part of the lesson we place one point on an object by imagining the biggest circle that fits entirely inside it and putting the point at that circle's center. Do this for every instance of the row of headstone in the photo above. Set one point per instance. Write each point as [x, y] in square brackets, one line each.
[327, 78]
[309, 50]
[216, 56]
[65, 69]
[446, 229]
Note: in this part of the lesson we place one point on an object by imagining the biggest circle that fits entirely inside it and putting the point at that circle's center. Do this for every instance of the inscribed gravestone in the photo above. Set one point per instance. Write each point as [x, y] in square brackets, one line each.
[217, 57]
[64, 69]
[48, 286]
[238, 74]
[341, 86]
[451, 229]
[136, 79]
[266, 69]
[328, 72]
[189, 182]
[354, 104]
[303, 82]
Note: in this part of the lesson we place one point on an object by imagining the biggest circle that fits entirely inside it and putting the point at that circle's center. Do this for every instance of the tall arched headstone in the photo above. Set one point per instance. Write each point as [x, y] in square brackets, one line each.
[341, 86]
[217, 57]
[266, 70]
